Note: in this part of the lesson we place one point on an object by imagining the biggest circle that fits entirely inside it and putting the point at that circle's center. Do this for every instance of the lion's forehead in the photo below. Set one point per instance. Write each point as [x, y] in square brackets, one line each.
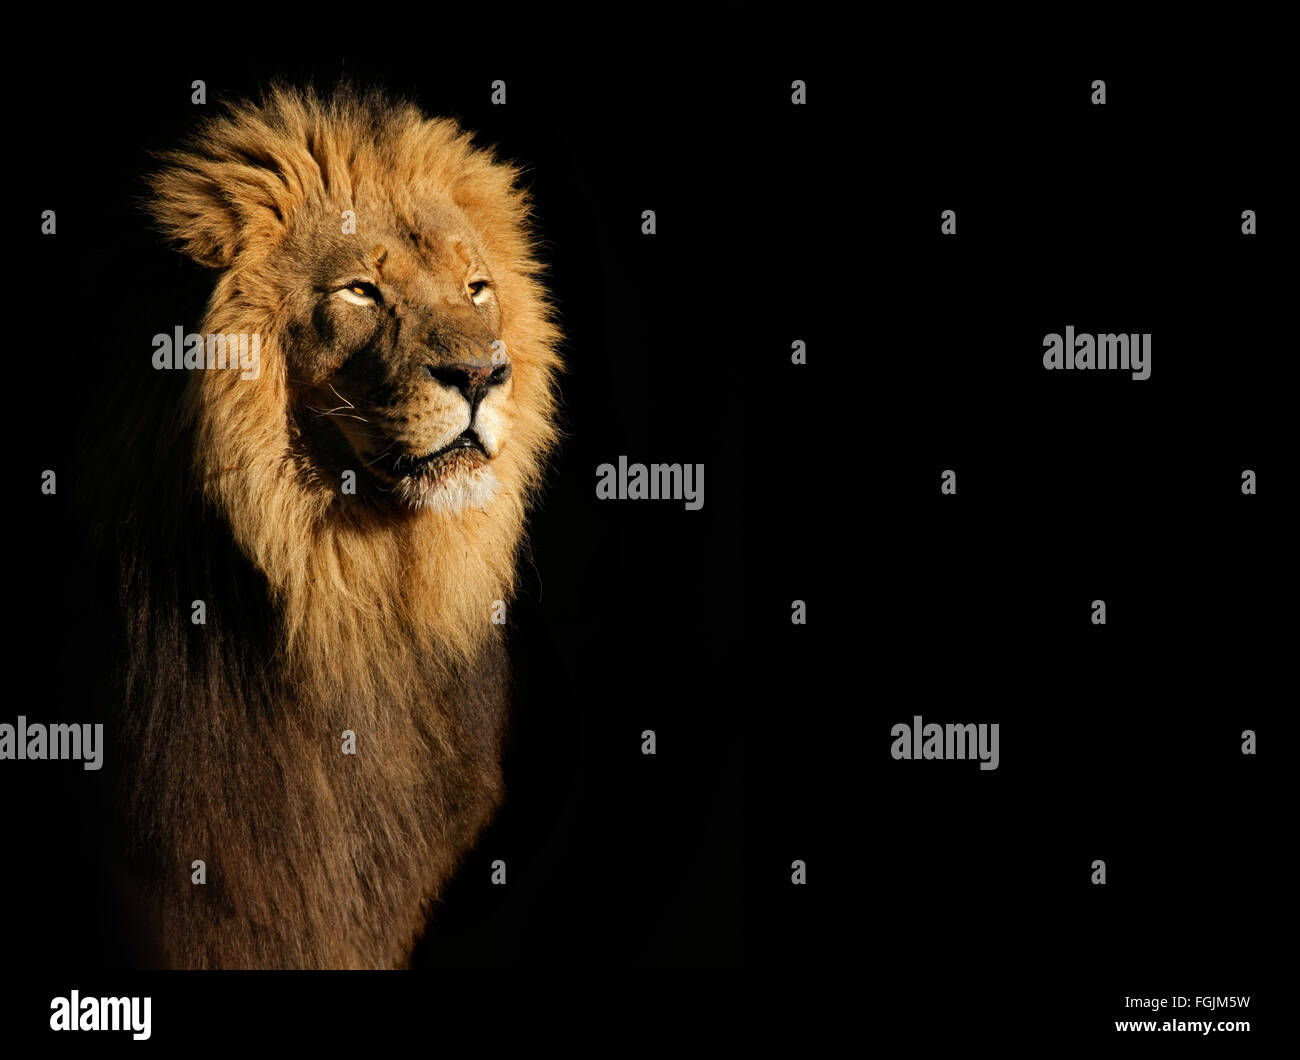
[398, 246]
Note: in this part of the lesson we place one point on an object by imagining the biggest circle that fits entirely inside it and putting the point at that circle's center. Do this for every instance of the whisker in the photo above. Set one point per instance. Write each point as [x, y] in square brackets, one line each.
[381, 455]
[336, 412]
[346, 402]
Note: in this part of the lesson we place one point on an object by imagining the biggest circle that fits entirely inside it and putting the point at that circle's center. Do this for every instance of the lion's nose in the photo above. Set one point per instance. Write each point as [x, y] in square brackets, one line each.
[472, 380]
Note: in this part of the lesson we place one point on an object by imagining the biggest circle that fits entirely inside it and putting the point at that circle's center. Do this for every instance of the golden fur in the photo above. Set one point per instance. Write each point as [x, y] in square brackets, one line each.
[325, 611]
[343, 574]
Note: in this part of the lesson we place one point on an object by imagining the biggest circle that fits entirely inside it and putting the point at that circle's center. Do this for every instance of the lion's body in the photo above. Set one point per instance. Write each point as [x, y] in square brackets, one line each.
[314, 858]
[325, 611]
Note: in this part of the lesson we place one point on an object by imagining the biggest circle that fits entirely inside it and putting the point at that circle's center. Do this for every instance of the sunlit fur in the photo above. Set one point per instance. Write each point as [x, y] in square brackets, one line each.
[349, 615]
[341, 576]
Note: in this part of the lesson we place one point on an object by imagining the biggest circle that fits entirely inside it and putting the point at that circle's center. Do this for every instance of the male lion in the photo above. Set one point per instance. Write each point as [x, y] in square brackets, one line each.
[324, 731]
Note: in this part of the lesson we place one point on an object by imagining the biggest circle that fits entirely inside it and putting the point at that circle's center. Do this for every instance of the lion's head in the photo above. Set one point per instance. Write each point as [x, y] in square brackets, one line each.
[380, 459]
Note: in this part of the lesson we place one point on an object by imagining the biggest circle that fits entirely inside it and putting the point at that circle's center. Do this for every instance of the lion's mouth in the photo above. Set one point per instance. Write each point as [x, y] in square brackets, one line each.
[457, 477]
[465, 446]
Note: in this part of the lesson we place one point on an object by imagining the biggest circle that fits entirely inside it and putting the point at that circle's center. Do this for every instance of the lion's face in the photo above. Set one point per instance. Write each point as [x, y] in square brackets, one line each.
[387, 265]
[394, 347]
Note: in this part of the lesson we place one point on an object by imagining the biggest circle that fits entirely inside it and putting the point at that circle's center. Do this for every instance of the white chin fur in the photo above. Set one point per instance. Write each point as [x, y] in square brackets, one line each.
[470, 490]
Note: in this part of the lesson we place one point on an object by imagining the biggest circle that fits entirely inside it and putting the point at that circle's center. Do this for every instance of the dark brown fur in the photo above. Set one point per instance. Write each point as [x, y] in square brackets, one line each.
[325, 612]
[315, 859]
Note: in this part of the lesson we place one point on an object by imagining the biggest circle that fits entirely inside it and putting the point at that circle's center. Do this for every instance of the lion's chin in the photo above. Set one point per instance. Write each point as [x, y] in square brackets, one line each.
[467, 485]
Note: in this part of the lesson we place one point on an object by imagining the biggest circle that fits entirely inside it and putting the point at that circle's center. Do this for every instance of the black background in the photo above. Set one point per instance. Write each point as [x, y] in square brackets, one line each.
[940, 899]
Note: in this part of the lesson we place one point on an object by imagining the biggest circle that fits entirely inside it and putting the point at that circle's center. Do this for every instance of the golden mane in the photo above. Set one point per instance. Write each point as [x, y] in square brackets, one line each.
[325, 611]
[357, 589]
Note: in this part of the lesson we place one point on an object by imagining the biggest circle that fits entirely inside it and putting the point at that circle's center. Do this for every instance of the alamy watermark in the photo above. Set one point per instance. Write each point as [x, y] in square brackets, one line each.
[77, 743]
[193, 351]
[952, 742]
[1128, 353]
[651, 482]
[77, 1013]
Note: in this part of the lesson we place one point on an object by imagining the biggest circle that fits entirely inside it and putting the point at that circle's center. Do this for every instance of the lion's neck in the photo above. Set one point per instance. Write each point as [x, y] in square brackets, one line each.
[351, 579]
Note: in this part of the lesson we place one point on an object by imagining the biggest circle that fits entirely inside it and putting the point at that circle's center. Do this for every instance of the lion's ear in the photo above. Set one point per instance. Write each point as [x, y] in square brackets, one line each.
[213, 209]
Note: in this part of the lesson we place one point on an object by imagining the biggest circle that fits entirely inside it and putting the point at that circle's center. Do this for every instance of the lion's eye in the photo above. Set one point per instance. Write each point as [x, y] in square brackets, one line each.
[478, 289]
[359, 292]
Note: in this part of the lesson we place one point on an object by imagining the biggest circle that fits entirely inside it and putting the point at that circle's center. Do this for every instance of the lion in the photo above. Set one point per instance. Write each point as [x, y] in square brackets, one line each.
[316, 554]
